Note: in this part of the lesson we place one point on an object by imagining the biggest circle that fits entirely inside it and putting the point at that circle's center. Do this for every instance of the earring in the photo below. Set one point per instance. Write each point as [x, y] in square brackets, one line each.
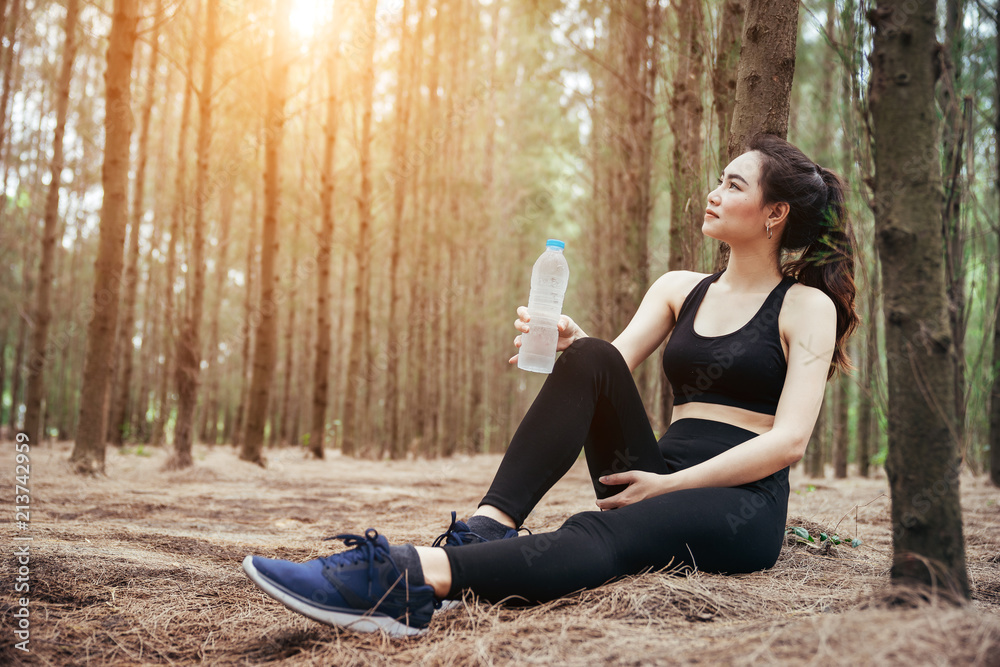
[769, 231]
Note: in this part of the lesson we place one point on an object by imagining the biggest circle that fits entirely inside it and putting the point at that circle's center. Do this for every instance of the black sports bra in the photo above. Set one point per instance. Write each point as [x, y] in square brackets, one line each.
[743, 369]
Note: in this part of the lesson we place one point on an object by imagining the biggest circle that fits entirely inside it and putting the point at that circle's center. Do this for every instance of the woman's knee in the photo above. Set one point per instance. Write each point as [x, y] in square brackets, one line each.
[592, 354]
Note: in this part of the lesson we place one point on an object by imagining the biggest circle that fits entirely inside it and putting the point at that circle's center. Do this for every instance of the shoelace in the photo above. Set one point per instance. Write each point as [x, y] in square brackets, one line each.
[450, 537]
[364, 547]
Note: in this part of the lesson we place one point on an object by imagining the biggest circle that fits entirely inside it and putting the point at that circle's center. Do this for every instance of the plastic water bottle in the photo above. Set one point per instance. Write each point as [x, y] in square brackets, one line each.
[549, 279]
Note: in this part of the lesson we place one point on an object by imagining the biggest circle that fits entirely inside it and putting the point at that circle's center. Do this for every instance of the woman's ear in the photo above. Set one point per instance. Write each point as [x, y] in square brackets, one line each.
[778, 213]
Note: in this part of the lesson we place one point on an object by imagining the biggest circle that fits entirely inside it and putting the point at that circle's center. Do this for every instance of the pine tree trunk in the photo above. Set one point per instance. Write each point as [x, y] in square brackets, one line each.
[12, 26]
[289, 414]
[840, 430]
[177, 224]
[120, 424]
[994, 437]
[421, 302]
[265, 345]
[724, 73]
[767, 65]
[686, 115]
[923, 462]
[188, 350]
[359, 365]
[88, 451]
[815, 458]
[43, 314]
[396, 445]
[866, 404]
[210, 410]
[3, 373]
[22, 334]
[414, 427]
[248, 314]
[953, 130]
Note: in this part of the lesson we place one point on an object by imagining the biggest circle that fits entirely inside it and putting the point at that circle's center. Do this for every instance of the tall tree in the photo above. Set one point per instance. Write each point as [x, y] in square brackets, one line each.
[764, 78]
[724, 71]
[210, 410]
[177, 224]
[396, 445]
[324, 254]
[120, 411]
[359, 364]
[265, 344]
[686, 115]
[9, 30]
[88, 451]
[923, 462]
[767, 66]
[995, 389]
[33, 417]
[189, 342]
[246, 332]
[953, 132]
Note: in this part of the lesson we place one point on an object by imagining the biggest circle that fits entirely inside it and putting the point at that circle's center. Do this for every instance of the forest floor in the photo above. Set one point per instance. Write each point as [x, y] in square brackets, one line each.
[143, 567]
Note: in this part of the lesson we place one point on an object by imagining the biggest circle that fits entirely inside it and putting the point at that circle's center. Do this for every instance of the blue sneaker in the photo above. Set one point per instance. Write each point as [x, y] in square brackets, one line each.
[459, 534]
[361, 589]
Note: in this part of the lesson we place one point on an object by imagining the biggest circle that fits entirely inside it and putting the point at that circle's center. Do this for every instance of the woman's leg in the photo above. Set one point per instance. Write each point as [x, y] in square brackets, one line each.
[589, 401]
[728, 530]
[737, 529]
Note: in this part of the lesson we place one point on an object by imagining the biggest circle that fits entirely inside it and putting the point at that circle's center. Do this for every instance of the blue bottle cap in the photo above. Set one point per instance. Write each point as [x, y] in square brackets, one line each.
[555, 243]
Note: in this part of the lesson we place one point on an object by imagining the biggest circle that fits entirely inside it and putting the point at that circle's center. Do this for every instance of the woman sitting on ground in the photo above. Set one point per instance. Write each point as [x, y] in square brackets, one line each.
[750, 351]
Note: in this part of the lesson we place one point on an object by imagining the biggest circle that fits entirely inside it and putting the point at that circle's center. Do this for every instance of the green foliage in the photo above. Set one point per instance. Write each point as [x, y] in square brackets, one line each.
[802, 535]
[138, 450]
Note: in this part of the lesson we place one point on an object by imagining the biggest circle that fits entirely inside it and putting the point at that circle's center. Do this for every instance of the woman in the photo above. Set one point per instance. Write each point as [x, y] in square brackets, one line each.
[749, 356]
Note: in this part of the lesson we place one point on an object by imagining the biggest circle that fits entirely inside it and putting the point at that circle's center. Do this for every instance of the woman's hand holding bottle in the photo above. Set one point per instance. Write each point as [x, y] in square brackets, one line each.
[569, 331]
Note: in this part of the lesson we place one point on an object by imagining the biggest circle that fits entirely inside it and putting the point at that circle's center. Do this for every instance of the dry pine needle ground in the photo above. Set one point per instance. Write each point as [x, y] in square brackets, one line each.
[142, 567]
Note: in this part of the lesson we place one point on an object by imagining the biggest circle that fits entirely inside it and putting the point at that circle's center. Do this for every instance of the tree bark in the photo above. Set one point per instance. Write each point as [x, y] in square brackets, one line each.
[210, 410]
[417, 426]
[120, 423]
[324, 258]
[923, 462]
[994, 437]
[43, 314]
[15, 13]
[177, 225]
[359, 365]
[3, 372]
[248, 313]
[686, 115]
[724, 73]
[265, 345]
[396, 445]
[767, 66]
[953, 131]
[866, 424]
[88, 451]
[815, 459]
[188, 351]
[841, 432]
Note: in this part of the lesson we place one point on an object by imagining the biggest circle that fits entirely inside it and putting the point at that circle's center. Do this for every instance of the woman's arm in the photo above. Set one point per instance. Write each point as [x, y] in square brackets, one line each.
[809, 322]
[648, 328]
[655, 317]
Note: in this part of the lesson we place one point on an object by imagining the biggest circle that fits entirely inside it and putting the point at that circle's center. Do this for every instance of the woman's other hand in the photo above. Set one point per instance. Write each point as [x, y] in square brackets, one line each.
[569, 331]
[641, 485]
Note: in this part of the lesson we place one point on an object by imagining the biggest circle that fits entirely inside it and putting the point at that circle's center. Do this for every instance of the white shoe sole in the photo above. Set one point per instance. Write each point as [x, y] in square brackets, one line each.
[448, 604]
[367, 622]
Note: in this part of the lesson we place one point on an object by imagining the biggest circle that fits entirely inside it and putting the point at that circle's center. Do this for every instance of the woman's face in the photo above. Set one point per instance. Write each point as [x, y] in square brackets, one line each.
[734, 210]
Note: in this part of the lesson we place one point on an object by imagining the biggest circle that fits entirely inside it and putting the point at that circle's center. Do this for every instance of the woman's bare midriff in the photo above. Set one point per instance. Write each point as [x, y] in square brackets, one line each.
[745, 419]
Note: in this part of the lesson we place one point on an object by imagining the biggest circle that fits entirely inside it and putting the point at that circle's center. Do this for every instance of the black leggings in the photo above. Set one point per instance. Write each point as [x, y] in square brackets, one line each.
[590, 400]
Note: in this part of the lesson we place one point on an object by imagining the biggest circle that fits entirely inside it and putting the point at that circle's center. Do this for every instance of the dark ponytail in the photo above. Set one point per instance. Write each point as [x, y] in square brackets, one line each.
[817, 224]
